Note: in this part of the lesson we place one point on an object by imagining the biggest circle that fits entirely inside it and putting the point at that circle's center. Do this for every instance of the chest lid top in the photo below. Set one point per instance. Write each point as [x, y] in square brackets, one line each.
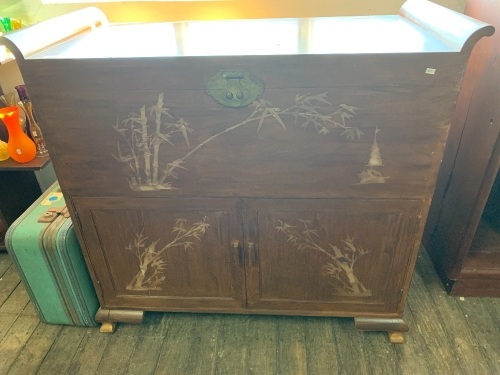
[420, 27]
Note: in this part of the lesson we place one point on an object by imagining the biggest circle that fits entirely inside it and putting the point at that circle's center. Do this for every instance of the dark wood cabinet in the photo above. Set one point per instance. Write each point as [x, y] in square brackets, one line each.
[290, 174]
[462, 234]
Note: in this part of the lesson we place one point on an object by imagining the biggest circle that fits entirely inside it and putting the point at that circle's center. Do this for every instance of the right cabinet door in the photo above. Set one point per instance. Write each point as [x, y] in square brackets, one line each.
[329, 256]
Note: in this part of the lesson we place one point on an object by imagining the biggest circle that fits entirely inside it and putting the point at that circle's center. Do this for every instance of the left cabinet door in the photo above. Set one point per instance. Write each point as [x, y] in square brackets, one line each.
[165, 254]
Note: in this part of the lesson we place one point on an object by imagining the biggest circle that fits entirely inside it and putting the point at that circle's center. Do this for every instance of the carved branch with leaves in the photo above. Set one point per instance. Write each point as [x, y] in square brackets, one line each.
[141, 136]
[143, 133]
[340, 261]
[151, 263]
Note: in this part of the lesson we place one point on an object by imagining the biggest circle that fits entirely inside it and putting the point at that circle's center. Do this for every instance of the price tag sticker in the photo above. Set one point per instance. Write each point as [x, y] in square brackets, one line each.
[430, 71]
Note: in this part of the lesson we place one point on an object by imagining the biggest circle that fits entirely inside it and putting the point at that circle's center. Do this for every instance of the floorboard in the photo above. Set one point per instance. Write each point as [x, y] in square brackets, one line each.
[321, 358]
[119, 350]
[89, 353]
[412, 357]
[16, 302]
[15, 339]
[262, 345]
[33, 353]
[64, 348]
[483, 320]
[353, 358]
[440, 351]
[458, 332]
[149, 344]
[291, 351]
[10, 280]
[232, 343]
[448, 335]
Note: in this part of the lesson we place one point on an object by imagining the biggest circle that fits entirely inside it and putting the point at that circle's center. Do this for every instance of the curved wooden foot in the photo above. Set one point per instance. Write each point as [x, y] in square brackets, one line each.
[109, 318]
[395, 327]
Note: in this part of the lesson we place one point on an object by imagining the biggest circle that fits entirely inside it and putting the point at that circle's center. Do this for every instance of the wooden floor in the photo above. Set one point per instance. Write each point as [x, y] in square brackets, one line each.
[447, 336]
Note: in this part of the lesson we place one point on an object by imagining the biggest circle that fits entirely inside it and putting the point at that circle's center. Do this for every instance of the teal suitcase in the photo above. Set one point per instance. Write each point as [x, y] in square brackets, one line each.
[44, 247]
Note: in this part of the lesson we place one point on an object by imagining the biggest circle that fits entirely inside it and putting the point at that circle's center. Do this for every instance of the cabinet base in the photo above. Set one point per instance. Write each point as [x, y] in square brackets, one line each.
[109, 318]
[476, 278]
[395, 327]
[474, 287]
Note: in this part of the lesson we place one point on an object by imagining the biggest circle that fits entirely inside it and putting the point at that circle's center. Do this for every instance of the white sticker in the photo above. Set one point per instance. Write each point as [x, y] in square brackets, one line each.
[430, 71]
[19, 152]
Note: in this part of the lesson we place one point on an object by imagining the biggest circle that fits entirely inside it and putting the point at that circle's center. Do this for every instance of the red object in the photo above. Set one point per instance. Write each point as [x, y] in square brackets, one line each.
[21, 148]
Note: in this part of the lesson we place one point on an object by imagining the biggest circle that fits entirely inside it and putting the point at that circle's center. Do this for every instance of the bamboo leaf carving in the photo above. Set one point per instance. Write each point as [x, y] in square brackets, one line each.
[143, 134]
[152, 265]
[141, 137]
[340, 260]
[307, 112]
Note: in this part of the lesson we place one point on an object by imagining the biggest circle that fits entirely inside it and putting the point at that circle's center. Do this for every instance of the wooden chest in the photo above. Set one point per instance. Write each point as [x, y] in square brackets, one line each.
[264, 166]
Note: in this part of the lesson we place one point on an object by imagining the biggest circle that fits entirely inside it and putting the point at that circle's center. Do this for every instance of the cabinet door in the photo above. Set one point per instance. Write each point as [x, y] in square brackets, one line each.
[165, 254]
[323, 256]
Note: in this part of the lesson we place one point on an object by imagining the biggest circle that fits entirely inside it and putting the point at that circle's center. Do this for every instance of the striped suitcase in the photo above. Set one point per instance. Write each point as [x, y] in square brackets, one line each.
[43, 245]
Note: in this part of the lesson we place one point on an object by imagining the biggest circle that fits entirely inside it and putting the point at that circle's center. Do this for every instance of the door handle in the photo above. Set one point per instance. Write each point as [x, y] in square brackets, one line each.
[241, 255]
[252, 251]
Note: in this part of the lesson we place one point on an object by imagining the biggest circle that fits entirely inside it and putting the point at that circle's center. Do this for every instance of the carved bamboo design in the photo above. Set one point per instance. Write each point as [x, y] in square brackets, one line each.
[340, 262]
[152, 266]
[138, 141]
